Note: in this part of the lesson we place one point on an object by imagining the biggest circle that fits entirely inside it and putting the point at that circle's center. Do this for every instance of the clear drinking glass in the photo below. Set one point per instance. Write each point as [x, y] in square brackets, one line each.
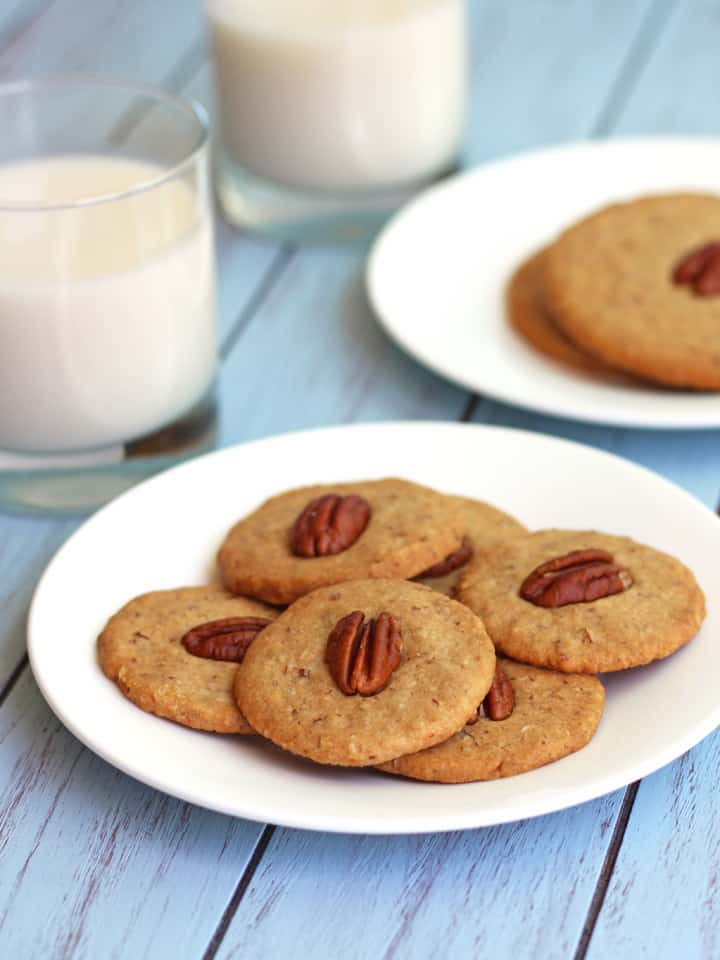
[107, 290]
[333, 112]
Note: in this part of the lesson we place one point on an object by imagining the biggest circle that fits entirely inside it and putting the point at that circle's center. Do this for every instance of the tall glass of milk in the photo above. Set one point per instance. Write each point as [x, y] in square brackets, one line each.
[107, 289]
[332, 112]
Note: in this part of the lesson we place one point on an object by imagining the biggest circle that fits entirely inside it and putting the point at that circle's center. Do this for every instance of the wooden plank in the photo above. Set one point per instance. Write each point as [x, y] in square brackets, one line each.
[96, 865]
[499, 891]
[128, 38]
[662, 898]
[17, 16]
[543, 72]
[27, 543]
[312, 355]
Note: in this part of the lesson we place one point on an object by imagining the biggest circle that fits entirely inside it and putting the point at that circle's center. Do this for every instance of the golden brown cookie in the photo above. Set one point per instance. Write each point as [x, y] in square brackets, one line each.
[410, 527]
[609, 285]
[140, 650]
[661, 610]
[483, 525]
[285, 688]
[530, 317]
[555, 714]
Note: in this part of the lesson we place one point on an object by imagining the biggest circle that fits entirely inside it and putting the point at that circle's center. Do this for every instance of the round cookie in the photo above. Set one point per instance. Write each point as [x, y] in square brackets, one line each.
[140, 650]
[609, 285]
[555, 714]
[483, 525]
[529, 316]
[286, 691]
[410, 528]
[661, 611]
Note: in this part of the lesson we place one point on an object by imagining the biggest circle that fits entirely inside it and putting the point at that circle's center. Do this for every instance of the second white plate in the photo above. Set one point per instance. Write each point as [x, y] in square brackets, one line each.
[436, 275]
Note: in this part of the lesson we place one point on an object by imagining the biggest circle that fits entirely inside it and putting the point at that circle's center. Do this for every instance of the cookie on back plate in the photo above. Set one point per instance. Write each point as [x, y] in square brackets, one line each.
[314, 536]
[582, 601]
[529, 315]
[638, 285]
[365, 671]
[142, 650]
[539, 716]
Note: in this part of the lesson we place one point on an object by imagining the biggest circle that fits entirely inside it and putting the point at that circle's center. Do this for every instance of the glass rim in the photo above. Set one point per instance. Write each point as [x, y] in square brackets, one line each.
[188, 105]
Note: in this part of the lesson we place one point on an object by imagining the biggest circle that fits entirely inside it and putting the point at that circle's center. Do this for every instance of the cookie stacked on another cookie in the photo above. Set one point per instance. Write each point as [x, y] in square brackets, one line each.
[633, 288]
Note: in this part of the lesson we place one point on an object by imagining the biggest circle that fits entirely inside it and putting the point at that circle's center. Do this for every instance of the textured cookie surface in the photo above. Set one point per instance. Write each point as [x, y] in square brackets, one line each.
[529, 315]
[140, 650]
[661, 611]
[285, 689]
[483, 525]
[555, 714]
[608, 284]
[410, 528]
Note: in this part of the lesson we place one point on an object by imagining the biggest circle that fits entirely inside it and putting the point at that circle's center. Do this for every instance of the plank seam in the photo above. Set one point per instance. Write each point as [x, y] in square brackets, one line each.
[239, 892]
[277, 266]
[20, 25]
[13, 679]
[606, 871]
[635, 61]
[470, 407]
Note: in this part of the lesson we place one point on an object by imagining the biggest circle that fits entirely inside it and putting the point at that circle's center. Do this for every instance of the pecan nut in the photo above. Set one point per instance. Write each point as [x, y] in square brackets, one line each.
[580, 576]
[700, 269]
[329, 525]
[499, 701]
[453, 561]
[361, 654]
[227, 639]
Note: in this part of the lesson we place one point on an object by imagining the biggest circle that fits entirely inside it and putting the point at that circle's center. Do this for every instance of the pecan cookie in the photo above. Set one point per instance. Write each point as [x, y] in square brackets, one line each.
[582, 601]
[483, 525]
[554, 714]
[530, 317]
[141, 649]
[314, 536]
[362, 672]
[633, 284]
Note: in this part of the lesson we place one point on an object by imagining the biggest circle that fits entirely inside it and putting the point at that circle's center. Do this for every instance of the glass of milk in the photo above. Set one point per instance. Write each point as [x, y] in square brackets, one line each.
[333, 112]
[107, 290]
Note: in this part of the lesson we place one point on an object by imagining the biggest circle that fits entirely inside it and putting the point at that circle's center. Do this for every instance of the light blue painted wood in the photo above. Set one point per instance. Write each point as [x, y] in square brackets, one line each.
[662, 901]
[96, 865]
[510, 892]
[27, 543]
[140, 41]
[544, 71]
[312, 355]
[676, 90]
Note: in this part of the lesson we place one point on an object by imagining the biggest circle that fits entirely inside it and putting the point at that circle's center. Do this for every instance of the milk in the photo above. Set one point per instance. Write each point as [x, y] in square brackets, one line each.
[107, 327]
[340, 95]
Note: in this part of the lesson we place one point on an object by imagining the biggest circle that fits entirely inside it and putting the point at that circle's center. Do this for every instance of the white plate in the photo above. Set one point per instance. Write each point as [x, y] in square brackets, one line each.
[164, 533]
[436, 274]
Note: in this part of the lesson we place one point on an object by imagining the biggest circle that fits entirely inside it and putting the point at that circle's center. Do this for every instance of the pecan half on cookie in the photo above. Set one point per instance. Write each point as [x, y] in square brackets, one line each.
[577, 577]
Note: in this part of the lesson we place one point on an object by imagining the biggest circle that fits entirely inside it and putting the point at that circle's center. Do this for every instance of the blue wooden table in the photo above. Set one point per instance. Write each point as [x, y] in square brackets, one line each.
[95, 865]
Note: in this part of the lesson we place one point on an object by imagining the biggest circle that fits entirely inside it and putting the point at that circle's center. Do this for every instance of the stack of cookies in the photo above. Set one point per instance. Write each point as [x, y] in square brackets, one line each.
[633, 288]
[384, 624]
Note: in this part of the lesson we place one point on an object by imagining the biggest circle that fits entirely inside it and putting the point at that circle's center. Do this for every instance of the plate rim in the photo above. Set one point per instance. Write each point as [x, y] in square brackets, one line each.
[553, 800]
[373, 264]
